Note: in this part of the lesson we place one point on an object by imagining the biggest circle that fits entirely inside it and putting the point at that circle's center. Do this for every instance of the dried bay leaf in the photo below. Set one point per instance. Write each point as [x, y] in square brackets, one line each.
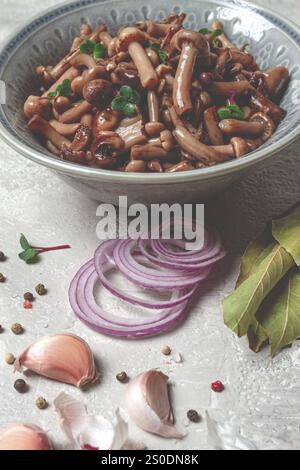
[287, 232]
[281, 316]
[240, 307]
[257, 336]
[255, 252]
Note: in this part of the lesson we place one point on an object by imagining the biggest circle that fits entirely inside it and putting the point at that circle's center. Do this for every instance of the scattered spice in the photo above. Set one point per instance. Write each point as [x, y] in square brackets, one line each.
[9, 358]
[2, 277]
[21, 386]
[30, 253]
[166, 350]
[27, 305]
[122, 377]
[193, 416]
[29, 296]
[1, 329]
[41, 289]
[177, 358]
[2, 256]
[41, 403]
[217, 387]
[17, 329]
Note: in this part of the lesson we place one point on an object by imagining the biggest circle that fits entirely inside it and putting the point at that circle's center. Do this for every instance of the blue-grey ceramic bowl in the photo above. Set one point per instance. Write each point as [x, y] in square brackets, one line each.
[273, 41]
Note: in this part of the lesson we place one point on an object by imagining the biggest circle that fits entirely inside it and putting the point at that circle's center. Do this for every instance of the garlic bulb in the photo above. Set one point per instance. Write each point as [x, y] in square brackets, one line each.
[63, 357]
[90, 432]
[23, 437]
[147, 403]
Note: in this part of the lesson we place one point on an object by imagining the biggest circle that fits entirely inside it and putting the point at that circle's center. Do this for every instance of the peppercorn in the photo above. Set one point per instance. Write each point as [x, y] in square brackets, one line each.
[9, 358]
[193, 416]
[2, 278]
[17, 329]
[28, 296]
[217, 387]
[166, 350]
[122, 377]
[41, 403]
[21, 386]
[40, 289]
[27, 305]
[2, 256]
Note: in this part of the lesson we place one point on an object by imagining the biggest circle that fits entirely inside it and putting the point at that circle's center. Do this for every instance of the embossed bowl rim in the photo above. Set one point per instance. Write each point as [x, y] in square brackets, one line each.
[234, 166]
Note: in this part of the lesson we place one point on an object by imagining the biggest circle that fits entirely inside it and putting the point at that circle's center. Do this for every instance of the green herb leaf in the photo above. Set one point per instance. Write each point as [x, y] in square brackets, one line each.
[204, 31]
[217, 32]
[52, 94]
[232, 111]
[257, 336]
[242, 305]
[24, 242]
[87, 47]
[287, 232]
[28, 255]
[64, 89]
[130, 110]
[126, 92]
[161, 54]
[118, 103]
[281, 319]
[100, 51]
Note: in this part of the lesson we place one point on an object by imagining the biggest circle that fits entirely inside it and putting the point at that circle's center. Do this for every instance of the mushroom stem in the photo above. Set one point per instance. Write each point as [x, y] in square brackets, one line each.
[136, 166]
[40, 126]
[149, 152]
[52, 148]
[194, 147]
[83, 60]
[132, 134]
[211, 123]
[153, 106]
[183, 78]
[70, 74]
[147, 73]
[75, 113]
[67, 130]
[234, 127]
[262, 104]
[222, 38]
[228, 88]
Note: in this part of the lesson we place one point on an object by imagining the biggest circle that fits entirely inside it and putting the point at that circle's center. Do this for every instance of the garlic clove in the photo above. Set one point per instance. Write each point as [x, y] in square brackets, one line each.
[147, 402]
[63, 357]
[90, 432]
[23, 437]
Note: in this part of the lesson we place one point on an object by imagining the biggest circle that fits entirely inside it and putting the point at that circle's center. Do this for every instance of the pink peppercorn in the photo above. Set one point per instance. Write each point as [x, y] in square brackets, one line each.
[217, 387]
[27, 305]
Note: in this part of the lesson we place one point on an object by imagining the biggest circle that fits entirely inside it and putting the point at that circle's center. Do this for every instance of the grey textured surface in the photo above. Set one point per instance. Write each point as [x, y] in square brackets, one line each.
[262, 400]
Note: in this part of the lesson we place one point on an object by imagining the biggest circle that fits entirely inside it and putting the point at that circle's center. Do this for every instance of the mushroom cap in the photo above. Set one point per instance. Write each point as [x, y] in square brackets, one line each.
[35, 105]
[105, 149]
[127, 36]
[106, 120]
[82, 138]
[184, 36]
[267, 121]
[276, 79]
[154, 128]
[97, 92]
[240, 146]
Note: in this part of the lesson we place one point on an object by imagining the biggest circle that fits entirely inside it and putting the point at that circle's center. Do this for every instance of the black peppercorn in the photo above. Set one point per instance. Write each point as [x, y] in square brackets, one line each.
[28, 296]
[193, 416]
[2, 278]
[122, 377]
[21, 386]
[2, 256]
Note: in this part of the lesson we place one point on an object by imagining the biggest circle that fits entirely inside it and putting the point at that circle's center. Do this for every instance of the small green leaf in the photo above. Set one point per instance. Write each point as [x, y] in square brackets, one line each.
[257, 336]
[52, 94]
[28, 255]
[24, 242]
[84, 49]
[217, 32]
[100, 51]
[126, 92]
[155, 47]
[118, 103]
[135, 97]
[130, 110]
[87, 47]
[204, 31]
[161, 54]
[223, 113]
[232, 111]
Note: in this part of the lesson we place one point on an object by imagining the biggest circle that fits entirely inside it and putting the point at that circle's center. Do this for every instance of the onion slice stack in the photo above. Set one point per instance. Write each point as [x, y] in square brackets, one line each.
[158, 265]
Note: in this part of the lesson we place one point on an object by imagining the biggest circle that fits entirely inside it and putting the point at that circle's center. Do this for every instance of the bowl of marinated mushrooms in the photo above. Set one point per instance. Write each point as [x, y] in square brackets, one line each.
[160, 104]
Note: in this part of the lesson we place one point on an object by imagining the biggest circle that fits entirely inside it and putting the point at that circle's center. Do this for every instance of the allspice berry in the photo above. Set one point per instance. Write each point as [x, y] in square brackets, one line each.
[41, 289]
[21, 386]
[166, 350]
[28, 296]
[17, 329]
[122, 377]
[193, 416]
[41, 403]
[2, 277]
[2, 256]
[9, 358]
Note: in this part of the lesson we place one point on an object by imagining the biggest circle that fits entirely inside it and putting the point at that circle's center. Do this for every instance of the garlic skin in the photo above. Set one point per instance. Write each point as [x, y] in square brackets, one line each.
[63, 357]
[23, 437]
[147, 402]
[89, 432]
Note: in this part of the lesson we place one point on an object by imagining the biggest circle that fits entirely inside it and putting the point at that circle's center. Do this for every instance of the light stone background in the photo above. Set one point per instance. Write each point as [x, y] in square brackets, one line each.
[262, 398]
